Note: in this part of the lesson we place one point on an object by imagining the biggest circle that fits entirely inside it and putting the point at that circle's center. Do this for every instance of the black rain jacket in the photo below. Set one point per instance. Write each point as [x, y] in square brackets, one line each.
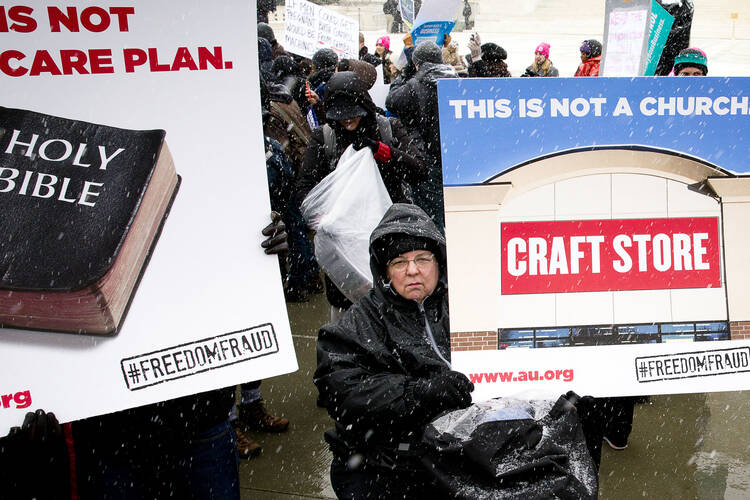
[370, 359]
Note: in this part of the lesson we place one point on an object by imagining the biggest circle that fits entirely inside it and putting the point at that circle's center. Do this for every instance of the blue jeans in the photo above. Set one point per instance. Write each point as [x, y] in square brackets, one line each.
[204, 466]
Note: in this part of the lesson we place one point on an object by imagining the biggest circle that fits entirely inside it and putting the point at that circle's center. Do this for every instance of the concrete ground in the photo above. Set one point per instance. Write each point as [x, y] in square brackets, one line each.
[693, 446]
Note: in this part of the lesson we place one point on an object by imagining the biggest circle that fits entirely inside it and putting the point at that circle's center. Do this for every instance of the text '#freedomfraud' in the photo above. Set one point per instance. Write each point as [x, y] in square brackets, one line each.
[199, 356]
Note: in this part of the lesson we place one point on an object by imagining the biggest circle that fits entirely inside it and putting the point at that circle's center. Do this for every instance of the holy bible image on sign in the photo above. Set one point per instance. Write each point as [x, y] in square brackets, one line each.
[83, 206]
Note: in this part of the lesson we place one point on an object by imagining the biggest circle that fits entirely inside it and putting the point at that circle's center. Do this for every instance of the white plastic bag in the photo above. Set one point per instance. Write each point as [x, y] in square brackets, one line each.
[343, 209]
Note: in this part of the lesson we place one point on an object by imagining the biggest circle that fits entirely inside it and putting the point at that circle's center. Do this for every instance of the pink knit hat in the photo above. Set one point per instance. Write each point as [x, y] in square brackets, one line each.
[543, 48]
[385, 41]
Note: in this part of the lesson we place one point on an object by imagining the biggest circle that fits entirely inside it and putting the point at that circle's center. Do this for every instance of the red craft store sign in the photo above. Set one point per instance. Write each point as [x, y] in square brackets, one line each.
[609, 255]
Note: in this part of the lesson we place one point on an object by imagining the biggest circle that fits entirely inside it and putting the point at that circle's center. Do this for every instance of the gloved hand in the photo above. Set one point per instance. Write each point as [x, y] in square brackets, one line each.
[380, 150]
[449, 390]
[475, 46]
[276, 231]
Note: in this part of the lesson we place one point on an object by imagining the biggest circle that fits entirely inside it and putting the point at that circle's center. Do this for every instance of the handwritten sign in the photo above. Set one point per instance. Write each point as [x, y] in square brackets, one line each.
[310, 27]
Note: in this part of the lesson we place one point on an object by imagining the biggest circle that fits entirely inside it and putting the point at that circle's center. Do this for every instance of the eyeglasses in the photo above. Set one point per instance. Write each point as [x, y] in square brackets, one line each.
[422, 262]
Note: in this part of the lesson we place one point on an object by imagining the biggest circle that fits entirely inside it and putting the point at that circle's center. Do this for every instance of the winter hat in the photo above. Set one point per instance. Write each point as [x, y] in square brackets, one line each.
[266, 31]
[592, 48]
[385, 41]
[691, 57]
[492, 52]
[427, 51]
[392, 245]
[325, 58]
[283, 67]
[543, 48]
[346, 96]
[366, 71]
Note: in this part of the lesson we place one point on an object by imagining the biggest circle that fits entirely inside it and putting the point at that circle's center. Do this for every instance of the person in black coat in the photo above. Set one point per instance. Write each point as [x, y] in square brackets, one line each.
[414, 101]
[384, 369]
[352, 119]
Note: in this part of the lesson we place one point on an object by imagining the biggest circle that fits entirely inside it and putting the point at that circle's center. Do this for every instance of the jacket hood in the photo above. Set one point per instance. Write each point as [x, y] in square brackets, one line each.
[432, 72]
[278, 92]
[403, 218]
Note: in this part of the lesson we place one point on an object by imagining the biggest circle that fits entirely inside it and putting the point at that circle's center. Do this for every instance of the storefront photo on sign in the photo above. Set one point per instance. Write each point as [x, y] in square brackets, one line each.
[605, 219]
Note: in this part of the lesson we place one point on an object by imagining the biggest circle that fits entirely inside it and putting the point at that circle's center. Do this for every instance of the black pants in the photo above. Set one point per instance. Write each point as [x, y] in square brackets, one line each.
[605, 417]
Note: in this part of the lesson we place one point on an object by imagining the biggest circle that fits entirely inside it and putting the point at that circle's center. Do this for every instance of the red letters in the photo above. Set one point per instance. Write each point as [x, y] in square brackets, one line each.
[94, 19]
[21, 17]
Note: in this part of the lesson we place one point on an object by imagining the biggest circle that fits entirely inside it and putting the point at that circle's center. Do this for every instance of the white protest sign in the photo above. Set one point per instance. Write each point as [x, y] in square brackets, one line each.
[310, 27]
[209, 309]
[626, 33]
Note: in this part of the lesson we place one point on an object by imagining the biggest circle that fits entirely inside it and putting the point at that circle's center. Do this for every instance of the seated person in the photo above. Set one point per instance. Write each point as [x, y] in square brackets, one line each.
[384, 368]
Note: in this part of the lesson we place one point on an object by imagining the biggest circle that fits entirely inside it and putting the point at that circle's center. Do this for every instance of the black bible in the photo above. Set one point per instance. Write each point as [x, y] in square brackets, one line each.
[82, 209]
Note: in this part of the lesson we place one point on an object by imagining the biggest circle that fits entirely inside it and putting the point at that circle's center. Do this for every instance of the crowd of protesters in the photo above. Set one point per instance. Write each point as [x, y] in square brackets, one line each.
[313, 109]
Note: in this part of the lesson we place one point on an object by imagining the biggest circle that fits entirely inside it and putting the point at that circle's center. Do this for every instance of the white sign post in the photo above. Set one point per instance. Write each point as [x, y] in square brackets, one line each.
[310, 27]
[209, 311]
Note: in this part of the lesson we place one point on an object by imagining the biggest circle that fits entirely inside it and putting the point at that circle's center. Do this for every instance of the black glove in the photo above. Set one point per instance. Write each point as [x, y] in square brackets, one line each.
[365, 142]
[276, 232]
[448, 390]
[34, 458]
[380, 150]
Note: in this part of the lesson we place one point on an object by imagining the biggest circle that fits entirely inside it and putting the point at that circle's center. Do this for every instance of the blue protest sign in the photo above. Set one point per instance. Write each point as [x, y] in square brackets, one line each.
[491, 125]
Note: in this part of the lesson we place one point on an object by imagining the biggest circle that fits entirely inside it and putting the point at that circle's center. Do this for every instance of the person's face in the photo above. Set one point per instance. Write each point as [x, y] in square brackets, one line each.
[584, 57]
[418, 279]
[379, 49]
[690, 71]
[539, 58]
[351, 124]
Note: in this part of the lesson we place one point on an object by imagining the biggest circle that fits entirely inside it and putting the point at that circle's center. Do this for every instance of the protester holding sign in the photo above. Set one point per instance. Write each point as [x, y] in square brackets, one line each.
[384, 369]
[414, 100]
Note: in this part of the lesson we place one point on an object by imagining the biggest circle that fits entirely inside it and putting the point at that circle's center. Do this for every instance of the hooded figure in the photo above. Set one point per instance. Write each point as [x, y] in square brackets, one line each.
[414, 101]
[384, 368]
[352, 119]
[266, 31]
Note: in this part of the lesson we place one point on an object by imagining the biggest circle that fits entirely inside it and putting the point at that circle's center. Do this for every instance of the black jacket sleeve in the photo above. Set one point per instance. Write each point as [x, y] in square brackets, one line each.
[314, 167]
[361, 389]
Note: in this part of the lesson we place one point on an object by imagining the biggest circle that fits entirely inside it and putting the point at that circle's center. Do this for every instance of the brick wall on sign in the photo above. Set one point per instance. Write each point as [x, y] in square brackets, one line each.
[739, 330]
[475, 341]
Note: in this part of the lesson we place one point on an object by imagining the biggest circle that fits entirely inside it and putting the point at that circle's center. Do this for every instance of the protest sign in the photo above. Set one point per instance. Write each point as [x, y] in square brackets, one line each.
[626, 29]
[606, 219]
[406, 7]
[203, 306]
[660, 23]
[310, 27]
[435, 19]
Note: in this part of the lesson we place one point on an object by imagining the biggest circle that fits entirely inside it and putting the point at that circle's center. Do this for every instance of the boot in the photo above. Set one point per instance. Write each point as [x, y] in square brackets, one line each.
[246, 446]
[255, 416]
